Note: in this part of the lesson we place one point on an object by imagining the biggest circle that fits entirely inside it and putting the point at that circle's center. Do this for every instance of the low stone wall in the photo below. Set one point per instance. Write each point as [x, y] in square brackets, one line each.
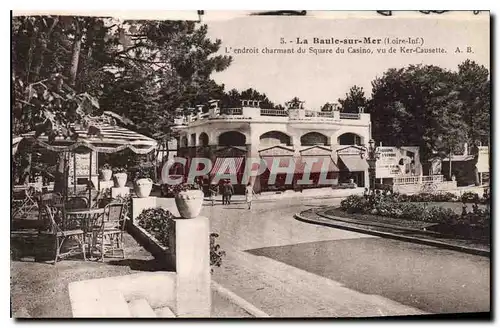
[165, 255]
[410, 189]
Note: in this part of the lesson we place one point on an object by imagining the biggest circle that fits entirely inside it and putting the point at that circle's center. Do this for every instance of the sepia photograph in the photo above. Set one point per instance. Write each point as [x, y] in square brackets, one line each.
[231, 164]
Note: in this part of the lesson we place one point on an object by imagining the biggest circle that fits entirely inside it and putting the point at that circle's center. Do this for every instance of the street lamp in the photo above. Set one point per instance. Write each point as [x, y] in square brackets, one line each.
[373, 156]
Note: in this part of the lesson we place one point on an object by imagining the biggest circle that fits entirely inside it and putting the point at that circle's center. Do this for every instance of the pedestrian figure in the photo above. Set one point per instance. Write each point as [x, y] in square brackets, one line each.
[249, 195]
[222, 190]
[366, 193]
[213, 193]
[464, 209]
[229, 191]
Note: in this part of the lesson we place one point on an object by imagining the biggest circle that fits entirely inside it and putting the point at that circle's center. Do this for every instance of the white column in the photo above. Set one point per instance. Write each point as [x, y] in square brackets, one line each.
[192, 260]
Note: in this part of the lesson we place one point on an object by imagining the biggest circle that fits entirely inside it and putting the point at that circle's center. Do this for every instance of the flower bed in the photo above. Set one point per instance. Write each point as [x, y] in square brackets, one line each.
[475, 224]
[467, 197]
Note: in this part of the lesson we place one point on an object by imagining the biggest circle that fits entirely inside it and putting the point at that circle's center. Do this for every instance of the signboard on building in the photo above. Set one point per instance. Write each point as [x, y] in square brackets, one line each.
[394, 162]
[352, 150]
[82, 165]
[483, 160]
[387, 163]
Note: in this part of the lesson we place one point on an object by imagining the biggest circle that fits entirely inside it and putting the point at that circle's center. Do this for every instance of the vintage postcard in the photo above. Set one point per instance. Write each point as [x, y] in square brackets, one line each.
[284, 164]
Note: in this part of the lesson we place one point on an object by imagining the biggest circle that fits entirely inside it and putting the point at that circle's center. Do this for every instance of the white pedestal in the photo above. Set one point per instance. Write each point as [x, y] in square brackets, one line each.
[106, 184]
[122, 192]
[192, 261]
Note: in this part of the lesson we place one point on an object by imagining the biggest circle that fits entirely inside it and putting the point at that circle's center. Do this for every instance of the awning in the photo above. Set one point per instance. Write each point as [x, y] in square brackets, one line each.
[322, 164]
[227, 165]
[354, 163]
[111, 139]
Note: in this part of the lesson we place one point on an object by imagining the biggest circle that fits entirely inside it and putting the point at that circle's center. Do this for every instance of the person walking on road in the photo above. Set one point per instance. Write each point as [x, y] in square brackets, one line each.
[222, 191]
[213, 193]
[249, 195]
[228, 191]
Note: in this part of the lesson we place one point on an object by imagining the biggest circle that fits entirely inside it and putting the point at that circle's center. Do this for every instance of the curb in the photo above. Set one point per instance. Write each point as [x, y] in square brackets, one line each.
[248, 307]
[323, 214]
[470, 250]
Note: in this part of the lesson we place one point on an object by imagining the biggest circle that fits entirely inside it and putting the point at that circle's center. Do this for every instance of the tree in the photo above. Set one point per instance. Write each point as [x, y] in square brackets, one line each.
[233, 98]
[473, 85]
[353, 101]
[295, 103]
[142, 70]
[44, 48]
[417, 105]
[328, 107]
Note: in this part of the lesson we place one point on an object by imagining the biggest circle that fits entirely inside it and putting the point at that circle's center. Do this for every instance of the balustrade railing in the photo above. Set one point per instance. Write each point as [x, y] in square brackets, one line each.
[350, 116]
[418, 180]
[231, 111]
[273, 112]
[238, 111]
[326, 114]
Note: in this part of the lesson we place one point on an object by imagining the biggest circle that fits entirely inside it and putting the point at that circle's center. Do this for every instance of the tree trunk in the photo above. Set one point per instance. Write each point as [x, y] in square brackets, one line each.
[75, 55]
[59, 177]
[24, 177]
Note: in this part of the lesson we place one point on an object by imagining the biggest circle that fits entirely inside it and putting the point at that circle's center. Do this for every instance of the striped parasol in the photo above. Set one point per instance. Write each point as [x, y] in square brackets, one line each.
[15, 144]
[102, 138]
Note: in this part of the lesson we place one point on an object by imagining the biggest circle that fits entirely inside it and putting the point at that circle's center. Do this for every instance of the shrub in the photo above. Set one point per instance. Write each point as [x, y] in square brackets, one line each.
[410, 211]
[469, 197]
[477, 217]
[216, 254]
[442, 215]
[445, 197]
[422, 197]
[158, 222]
[119, 170]
[354, 204]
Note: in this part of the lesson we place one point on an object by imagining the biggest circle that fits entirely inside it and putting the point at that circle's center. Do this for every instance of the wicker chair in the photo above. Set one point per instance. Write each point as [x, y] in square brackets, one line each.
[74, 203]
[114, 225]
[52, 231]
[108, 237]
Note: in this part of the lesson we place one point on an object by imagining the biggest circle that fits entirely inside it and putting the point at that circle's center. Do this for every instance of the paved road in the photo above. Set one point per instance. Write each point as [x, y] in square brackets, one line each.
[290, 268]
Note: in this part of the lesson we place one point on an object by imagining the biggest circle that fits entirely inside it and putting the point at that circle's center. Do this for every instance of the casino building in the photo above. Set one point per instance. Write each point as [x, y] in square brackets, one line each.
[337, 140]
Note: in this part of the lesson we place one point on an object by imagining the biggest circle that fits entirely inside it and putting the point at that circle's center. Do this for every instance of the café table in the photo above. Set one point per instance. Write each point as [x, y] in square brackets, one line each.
[89, 220]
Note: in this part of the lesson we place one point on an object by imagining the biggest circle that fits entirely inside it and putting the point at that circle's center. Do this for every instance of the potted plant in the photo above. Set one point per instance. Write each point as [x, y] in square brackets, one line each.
[120, 177]
[188, 199]
[106, 172]
[143, 183]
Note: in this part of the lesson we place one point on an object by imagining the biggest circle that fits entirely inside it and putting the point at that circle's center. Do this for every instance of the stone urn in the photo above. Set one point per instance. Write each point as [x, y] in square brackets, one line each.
[189, 203]
[143, 187]
[106, 174]
[120, 179]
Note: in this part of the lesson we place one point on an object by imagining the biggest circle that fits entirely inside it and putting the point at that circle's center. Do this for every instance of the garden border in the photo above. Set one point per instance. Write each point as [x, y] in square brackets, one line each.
[150, 243]
[428, 242]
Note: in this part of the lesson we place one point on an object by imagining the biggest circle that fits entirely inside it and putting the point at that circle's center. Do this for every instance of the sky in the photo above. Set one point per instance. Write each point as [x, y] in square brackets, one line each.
[318, 79]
